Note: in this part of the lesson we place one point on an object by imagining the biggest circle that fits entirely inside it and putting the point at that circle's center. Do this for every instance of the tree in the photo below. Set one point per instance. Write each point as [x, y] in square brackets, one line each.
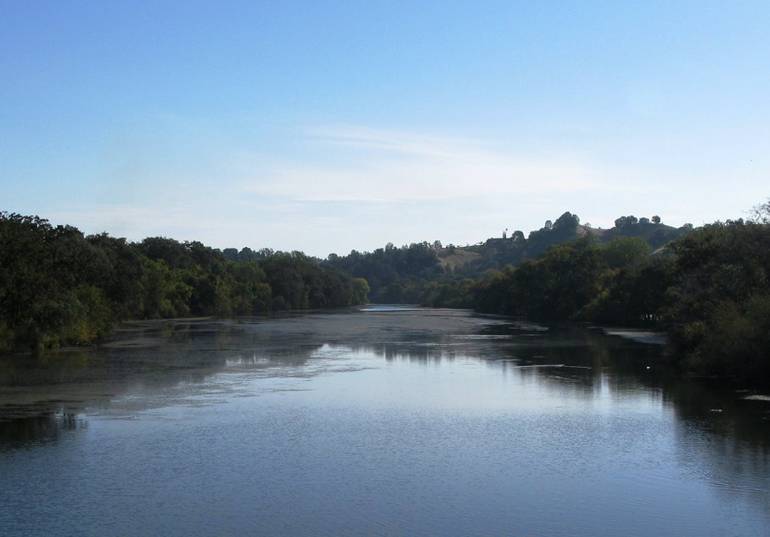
[760, 214]
[656, 219]
[58, 287]
[360, 290]
[566, 221]
[624, 221]
[393, 274]
[625, 252]
[719, 305]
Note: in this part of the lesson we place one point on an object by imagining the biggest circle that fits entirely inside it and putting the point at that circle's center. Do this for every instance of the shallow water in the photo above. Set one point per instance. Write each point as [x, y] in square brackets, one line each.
[382, 422]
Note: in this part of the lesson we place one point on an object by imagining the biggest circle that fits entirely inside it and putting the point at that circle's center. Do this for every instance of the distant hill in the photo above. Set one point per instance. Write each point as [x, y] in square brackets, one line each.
[400, 274]
[511, 250]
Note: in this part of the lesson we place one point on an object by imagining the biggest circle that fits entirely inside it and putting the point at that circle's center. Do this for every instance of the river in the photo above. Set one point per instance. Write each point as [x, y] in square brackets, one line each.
[381, 421]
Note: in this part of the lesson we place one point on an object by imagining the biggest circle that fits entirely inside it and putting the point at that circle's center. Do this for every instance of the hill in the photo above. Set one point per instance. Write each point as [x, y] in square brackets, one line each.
[403, 274]
[495, 253]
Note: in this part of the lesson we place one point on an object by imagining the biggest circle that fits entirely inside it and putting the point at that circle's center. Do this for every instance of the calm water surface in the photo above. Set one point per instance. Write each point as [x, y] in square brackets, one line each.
[379, 422]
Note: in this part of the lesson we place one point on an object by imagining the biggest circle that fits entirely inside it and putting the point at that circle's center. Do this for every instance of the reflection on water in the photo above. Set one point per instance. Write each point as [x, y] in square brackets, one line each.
[388, 421]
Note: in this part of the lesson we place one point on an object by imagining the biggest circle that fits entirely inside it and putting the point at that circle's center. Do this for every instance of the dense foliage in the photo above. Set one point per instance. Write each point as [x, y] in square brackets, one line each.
[396, 275]
[58, 286]
[710, 290]
[618, 282]
[718, 309]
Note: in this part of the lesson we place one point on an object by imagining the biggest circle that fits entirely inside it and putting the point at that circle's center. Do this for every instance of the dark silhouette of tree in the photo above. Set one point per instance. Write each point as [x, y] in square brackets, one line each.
[760, 214]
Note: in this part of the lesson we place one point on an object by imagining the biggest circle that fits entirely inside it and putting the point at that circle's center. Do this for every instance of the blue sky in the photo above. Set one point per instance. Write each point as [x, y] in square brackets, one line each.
[326, 126]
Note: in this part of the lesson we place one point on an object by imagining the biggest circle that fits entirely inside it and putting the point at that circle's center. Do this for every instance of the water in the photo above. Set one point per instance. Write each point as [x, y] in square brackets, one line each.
[383, 422]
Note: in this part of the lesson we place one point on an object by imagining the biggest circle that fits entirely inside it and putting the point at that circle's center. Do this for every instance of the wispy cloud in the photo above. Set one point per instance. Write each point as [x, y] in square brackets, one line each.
[343, 187]
[364, 164]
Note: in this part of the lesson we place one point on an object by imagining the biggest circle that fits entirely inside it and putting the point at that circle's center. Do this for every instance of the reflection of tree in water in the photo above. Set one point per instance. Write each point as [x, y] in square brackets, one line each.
[42, 396]
[719, 433]
[724, 438]
[415, 352]
[720, 436]
[39, 429]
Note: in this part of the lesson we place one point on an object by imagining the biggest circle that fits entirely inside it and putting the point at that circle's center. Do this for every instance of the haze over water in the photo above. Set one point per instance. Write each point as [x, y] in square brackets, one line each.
[379, 422]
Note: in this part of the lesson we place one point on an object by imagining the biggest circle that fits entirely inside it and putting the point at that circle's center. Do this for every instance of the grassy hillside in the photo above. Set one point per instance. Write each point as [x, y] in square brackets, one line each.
[496, 253]
[410, 273]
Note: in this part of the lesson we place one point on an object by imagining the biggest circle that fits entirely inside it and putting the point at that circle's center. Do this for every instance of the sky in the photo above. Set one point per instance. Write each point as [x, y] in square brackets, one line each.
[330, 126]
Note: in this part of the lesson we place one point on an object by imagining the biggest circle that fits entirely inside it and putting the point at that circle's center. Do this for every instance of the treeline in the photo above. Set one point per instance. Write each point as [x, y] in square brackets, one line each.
[58, 286]
[617, 281]
[395, 275]
[709, 290]
[422, 271]
[516, 248]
